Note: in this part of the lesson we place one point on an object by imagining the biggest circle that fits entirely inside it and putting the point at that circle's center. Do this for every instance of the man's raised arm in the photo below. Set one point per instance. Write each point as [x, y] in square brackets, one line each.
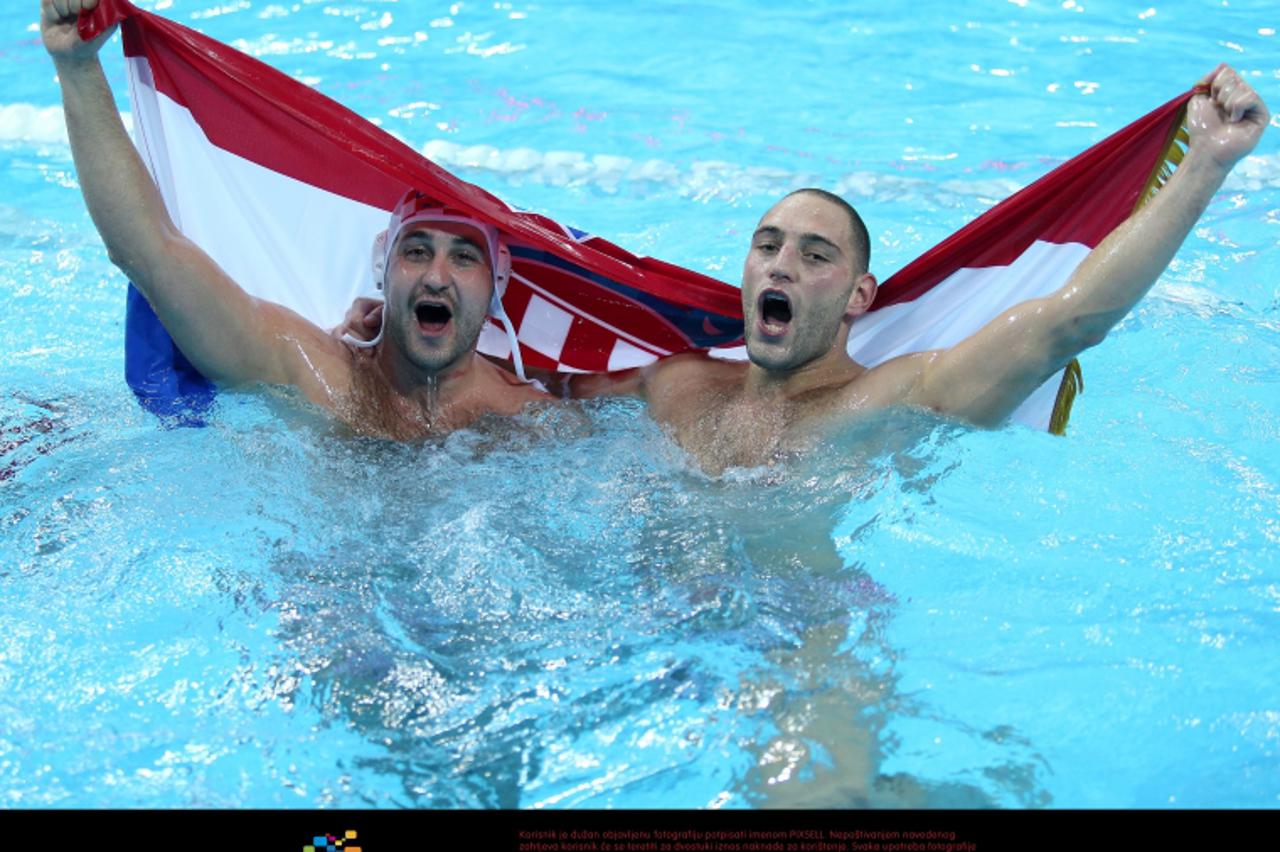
[984, 378]
[229, 335]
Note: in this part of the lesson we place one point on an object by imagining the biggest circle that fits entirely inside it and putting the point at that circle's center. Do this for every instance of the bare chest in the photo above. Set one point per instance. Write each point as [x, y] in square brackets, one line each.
[373, 410]
[723, 426]
[723, 429]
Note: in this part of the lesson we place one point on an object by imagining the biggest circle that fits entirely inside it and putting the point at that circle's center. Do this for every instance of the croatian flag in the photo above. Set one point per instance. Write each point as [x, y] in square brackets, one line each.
[286, 189]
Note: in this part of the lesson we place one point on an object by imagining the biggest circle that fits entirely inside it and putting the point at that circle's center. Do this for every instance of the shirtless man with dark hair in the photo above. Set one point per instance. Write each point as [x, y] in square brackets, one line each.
[806, 280]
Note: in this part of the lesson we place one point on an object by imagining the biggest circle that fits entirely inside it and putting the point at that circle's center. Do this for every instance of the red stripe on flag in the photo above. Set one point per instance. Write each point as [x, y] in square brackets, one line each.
[274, 121]
[1081, 201]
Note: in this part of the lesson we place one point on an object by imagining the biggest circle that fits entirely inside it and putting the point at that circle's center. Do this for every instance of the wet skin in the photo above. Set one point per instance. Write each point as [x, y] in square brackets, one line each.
[803, 288]
[425, 378]
[802, 285]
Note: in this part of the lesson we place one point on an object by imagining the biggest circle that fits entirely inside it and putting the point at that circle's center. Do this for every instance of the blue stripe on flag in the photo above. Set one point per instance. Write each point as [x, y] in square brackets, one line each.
[162, 378]
[690, 322]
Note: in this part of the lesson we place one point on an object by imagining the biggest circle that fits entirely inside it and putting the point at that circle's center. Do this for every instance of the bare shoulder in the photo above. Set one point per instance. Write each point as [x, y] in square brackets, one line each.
[310, 358]
[685, 386]
[509, 394]
[894, 382]
[657, 378]
[682, 371]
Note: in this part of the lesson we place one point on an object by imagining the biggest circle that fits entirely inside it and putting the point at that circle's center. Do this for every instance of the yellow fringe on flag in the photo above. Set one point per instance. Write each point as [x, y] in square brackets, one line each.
[1175, 148]
[1072, 384]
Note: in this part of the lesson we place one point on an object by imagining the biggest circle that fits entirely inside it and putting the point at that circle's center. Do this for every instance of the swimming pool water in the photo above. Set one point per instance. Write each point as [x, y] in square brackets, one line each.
[561, 611]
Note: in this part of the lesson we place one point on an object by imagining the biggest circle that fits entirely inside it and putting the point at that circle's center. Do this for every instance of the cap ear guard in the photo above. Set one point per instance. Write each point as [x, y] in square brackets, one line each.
[379, 259]
[501, 269]
[379, 272]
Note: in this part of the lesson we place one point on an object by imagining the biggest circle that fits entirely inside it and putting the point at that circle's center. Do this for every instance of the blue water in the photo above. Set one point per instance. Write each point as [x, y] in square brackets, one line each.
[561, 611]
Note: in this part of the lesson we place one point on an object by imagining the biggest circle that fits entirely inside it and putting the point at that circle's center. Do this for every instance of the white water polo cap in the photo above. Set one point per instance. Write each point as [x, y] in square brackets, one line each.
[417, 209]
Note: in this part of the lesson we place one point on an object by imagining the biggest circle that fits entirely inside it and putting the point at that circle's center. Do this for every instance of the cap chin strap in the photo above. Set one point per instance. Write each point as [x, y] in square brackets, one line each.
[497, 311]
[501, 275]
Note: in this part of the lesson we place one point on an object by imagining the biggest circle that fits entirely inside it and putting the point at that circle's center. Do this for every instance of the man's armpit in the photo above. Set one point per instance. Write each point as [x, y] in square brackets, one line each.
[620, 383]
[898, 381]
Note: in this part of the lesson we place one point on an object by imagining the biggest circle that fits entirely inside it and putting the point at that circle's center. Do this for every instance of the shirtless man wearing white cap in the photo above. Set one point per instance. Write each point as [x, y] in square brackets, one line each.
[441, 274]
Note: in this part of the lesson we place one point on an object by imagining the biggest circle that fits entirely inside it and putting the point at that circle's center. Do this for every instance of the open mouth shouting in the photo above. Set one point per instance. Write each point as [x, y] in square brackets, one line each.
[773, 312]
[433, 317]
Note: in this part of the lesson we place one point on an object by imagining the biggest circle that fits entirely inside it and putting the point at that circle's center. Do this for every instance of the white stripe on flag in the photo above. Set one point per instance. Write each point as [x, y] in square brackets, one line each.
[964, 302]
[279, 238]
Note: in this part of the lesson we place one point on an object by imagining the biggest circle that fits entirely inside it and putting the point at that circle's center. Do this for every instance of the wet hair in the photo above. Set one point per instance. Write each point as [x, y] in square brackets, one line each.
[861, 239]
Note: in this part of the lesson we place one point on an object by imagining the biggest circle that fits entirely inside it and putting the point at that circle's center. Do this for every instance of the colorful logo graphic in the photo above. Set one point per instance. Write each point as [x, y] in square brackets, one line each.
[330, 843]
